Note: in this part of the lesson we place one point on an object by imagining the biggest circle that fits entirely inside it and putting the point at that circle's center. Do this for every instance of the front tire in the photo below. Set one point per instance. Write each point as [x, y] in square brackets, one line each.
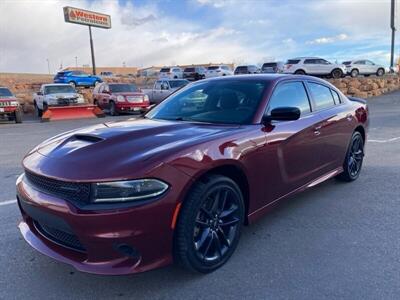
[73, 84]
[380, 72]
[300, 72]
[354, 73]
[18, 116]
[38, 111]
[354, 158]
[337, 73]
[113, 109]
[209, 224]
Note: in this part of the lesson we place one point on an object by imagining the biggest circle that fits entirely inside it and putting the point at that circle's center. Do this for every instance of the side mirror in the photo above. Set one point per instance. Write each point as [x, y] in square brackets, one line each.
[39, 93]
[283, 114]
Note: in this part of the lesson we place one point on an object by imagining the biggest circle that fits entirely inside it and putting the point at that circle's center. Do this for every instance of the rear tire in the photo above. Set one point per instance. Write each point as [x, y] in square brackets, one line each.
[300, 72]
[337, 73]
[209, 224]
[73, 84]
[18, 116]
[354, 159]
[113, 109]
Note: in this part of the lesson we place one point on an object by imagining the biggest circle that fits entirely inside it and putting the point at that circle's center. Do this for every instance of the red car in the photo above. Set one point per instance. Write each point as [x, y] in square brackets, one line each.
[179, 183]
[120, 98]
[10, 108]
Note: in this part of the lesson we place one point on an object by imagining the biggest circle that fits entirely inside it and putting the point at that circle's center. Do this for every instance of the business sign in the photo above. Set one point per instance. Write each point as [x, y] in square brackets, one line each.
[86, 17]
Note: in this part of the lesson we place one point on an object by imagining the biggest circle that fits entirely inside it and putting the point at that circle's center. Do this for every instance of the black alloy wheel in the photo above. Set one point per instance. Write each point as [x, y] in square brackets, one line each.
[354, 158]
[209, 225]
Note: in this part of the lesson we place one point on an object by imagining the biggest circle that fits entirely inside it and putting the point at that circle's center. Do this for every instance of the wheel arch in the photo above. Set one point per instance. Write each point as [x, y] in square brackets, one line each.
[361, 130]
[232, 171]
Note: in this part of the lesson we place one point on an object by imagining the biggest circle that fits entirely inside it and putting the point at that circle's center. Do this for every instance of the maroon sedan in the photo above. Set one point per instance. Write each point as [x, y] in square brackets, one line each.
[178, 184]
[119, 98]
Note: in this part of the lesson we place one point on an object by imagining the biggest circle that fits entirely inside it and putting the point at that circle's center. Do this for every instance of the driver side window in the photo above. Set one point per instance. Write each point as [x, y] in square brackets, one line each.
[291, 94]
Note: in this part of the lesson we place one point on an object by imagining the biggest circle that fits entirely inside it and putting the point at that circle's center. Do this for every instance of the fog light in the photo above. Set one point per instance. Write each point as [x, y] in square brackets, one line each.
[127, 250]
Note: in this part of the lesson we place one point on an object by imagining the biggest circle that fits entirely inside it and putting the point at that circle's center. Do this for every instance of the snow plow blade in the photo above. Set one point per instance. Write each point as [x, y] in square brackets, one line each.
[56, 113]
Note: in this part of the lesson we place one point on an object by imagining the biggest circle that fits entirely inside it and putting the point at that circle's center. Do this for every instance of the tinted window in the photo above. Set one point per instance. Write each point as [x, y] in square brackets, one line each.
[189, 70]
[269, 65]
[224, 68]
[291, 94]
[310, 61]
[177, 83]
[123, 88]
[165, 69]
[241, 69]
[55, 89]
[222, 101]
[293, 61]
[346, 63]
[321, 94]
[4, 92]
[336, 97]
[213, 68]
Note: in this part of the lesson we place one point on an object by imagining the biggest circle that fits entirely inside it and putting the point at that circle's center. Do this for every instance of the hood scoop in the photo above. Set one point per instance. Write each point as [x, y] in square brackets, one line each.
[71, 144]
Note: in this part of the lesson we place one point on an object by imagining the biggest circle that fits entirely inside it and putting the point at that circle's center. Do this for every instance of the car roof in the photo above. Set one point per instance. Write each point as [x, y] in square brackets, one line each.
[268, 78]
[307, 57]
[56, 84]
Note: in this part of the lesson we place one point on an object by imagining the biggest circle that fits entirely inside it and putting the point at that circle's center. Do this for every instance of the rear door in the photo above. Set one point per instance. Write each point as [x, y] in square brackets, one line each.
[360, 65]
[370, 66]
[335, 127]
[323, 66]
[293, 150]
[311, 66]
[157, 91]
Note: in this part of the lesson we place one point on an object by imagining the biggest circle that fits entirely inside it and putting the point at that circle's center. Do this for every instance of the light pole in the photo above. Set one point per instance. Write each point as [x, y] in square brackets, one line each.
[48, 65]
[393, 27]
[76, 61]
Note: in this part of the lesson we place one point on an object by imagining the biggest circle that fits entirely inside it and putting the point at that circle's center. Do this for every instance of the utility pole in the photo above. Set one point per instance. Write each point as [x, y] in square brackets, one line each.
[393, 27]
[92, 50]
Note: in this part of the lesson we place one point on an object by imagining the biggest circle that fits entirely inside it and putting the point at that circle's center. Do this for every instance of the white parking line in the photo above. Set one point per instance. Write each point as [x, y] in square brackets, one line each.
[7, 202]
[385, 141]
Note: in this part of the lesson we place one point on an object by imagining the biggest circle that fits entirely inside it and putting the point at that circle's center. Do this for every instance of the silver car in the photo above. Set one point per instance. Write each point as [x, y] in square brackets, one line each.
[363, 67]
[273, 67]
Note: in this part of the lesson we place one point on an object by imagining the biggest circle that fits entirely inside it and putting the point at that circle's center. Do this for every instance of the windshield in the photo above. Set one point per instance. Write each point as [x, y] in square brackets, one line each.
[177, 83]
[223, 101]
[189, 70]
[213, 68]
[269, 65]
[55, 89]
[346, 62]
[123, 88]
[165, 69]
[4, 92]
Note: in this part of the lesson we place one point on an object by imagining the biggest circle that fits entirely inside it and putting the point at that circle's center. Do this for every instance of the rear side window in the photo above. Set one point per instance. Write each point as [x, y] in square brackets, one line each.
[291, 94]
[310, 61]
[321, 95]
[293, 61]
[336, 97]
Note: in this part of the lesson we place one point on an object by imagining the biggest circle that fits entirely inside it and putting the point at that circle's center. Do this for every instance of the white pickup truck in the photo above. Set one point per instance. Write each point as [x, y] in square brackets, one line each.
[163, 88]
[56, 94]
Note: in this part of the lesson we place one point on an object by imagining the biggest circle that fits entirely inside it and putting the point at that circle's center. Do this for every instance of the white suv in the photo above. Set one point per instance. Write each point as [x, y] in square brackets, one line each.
[215, 71]
[170, 73]
[314, 66]
[363, 67]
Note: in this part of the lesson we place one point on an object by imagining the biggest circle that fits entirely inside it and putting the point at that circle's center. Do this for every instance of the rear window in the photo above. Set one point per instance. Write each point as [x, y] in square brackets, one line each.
[241, 68]
[189, 70]
[321, 95]
[346, 62]
[123, 88]
[177, 83]
[165, 69]
[213, 68]
[5, 92]
[269, 65]
[292, 61]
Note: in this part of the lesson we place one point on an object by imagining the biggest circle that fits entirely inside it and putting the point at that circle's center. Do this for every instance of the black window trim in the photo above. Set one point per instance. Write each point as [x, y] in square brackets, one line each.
[310, 103]
[313, 101]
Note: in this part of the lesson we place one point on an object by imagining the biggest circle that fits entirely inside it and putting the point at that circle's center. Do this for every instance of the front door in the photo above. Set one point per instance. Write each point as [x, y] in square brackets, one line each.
[293, 147]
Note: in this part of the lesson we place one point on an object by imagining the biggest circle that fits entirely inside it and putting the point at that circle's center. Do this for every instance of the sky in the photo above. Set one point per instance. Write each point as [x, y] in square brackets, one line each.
[169, 32]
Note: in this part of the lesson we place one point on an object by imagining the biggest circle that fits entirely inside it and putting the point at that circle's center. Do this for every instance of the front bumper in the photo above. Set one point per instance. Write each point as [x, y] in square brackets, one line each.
[126, 106]
[114, 242]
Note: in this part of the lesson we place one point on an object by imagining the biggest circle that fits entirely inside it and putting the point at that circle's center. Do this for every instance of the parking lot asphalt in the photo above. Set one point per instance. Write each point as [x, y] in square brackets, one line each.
[337, 240]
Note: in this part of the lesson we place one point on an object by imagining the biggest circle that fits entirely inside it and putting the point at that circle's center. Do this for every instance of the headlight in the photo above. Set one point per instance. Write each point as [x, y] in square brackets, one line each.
[146, 98]
[123, 191]
[14, 103]
[120, 98]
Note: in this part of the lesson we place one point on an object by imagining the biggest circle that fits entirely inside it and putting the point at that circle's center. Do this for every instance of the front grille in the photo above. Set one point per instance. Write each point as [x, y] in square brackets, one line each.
[67, 101]
[59, 237]
[70, 191]
[5, 103]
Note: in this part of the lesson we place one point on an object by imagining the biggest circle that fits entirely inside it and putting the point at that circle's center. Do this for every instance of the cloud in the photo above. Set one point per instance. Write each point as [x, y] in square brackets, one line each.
[197, 31]
[328, 40]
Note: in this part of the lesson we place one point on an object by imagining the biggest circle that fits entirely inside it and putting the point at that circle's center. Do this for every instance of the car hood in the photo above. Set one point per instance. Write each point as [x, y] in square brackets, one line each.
[117, 150]
[11, 98]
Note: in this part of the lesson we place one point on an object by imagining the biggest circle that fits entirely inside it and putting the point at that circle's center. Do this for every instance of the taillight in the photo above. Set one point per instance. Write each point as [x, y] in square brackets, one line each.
[288, 66]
